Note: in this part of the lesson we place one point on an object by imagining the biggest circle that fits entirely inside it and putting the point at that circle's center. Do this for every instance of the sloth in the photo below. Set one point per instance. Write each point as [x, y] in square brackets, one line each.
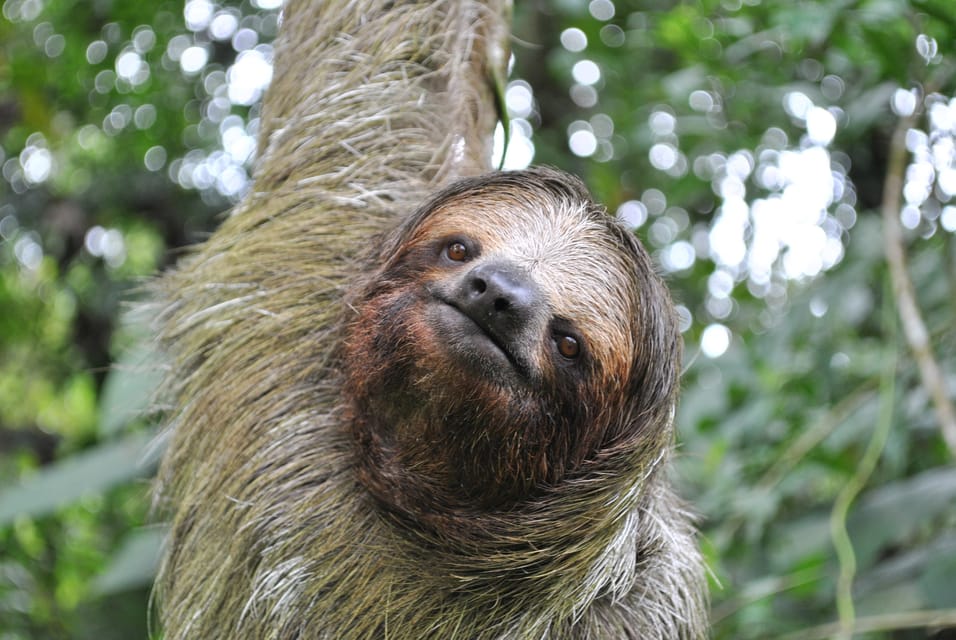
[406, 398]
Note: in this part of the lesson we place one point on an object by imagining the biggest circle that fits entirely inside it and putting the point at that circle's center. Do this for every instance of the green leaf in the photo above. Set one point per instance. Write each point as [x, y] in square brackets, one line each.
[134, 564]
[680, 83]
[808, 24]
[81, 474]
[870, 106]
[905, 596]
[930, 568]
[129, 389]
[939, 582]
[891, 513]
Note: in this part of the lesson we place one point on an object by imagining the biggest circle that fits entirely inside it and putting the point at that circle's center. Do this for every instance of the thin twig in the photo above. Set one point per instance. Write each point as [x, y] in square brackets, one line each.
[846, 555]
[765, 589]
[911, 319]
[815, 434]
[935, 619]
[825, 426]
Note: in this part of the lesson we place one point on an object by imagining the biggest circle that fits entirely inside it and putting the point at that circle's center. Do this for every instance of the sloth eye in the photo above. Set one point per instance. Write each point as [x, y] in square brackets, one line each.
[568, 346]
[456, 251]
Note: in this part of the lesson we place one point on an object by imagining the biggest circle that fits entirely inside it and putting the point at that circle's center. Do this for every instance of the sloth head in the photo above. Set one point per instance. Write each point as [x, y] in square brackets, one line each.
[511, 336]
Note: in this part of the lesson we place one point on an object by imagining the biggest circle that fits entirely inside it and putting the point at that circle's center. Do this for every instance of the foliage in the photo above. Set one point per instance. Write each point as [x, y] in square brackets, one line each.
[711, 124]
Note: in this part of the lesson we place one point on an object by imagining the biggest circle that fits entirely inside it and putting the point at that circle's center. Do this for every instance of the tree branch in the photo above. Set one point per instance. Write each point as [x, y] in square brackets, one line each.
[911, 320]
[939, 619]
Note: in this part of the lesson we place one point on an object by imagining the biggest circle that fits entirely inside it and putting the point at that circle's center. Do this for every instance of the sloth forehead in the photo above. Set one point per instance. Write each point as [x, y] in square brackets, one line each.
[587, 275]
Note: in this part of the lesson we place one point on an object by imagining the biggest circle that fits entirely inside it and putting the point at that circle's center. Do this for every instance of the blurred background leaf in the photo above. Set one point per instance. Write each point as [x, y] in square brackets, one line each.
[92, 471]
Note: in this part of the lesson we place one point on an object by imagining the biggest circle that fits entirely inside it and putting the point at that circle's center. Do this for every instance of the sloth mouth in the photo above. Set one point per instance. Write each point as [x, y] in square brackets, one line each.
[486, 346]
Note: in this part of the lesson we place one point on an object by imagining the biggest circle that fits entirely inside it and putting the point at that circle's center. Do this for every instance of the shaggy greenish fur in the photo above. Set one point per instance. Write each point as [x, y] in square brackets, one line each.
[374, 104]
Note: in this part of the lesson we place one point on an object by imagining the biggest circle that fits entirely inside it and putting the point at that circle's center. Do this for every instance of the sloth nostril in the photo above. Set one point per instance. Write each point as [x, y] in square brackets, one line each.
[478, 286]
[502, 304]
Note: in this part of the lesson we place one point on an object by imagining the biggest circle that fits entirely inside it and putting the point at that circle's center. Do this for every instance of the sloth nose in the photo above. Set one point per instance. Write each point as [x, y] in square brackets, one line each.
[499, 297]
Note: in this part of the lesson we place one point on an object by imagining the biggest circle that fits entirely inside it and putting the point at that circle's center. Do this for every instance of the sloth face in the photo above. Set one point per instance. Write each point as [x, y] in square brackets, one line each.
[499, 344]
[521, 295]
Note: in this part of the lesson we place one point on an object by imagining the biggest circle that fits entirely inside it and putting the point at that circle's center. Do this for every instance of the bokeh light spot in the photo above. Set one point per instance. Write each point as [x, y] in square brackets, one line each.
[198, 14]
[96, 52]
[519, 99]
[155, 158]
[574, 40]
[821, 126]
[602, 10]
[582, 143]
[903, 102]
[586, 72]
[193, 59]
[224, 25]
[715, 340]
[633, 213]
